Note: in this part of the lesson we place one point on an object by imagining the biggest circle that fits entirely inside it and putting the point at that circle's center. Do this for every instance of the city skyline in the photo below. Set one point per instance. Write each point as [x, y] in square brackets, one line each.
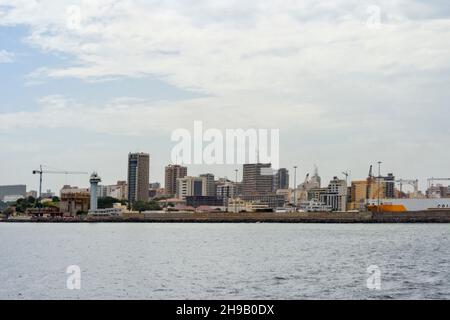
[68, 104]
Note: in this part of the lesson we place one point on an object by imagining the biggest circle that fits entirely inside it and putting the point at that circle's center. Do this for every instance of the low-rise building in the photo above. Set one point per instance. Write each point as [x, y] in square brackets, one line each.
[74, 200]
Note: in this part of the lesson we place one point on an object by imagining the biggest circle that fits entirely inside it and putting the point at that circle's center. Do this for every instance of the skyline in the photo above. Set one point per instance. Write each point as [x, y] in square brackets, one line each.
[75, 98]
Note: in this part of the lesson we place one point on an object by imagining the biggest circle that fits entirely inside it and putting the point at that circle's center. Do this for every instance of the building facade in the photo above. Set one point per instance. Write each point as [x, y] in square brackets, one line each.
[172, 174]
[257, 179]
[281, 179]
[13, 190]
[336, 196]
[210, 185]
[190, 186]
[138, 177]
[74, 200]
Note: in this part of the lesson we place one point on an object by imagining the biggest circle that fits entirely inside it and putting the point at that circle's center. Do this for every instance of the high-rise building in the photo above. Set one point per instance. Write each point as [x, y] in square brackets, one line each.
[14, 190]
[257, 179]
[173, 172]
[281, 179]
[190, 186]
[389, 186]
[210, 184]
[138, 177]
[315, 181]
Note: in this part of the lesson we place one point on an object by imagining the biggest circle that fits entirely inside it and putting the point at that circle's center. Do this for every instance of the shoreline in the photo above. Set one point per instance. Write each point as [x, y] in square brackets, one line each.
[438, 216]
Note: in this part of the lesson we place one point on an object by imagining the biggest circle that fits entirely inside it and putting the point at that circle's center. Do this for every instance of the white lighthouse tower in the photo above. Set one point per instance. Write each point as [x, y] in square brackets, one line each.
[94, 180]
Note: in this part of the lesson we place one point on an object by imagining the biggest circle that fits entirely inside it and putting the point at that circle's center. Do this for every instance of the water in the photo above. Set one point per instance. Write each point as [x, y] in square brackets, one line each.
[225, 261]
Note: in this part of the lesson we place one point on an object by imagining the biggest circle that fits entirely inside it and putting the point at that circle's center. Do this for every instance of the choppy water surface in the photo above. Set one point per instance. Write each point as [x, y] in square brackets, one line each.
[225, 261]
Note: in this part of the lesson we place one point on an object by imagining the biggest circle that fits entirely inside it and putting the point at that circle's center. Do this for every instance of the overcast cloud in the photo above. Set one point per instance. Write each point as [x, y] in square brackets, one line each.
[347, 87]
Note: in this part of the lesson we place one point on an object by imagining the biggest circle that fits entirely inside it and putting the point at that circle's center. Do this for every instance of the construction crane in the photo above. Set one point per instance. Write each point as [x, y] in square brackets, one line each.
[41, 172]
[346, 174]
[432, 180]
[413, 183]
[304, 187]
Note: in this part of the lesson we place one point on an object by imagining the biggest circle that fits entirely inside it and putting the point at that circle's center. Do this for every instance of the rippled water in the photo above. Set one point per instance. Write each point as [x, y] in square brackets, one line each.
[224, 261]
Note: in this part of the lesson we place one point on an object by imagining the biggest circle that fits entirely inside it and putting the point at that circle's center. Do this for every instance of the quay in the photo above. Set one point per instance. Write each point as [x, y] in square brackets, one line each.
[429, 216]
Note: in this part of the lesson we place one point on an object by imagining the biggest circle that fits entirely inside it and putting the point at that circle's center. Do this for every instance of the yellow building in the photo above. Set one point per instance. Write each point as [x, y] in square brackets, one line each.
[365, 189]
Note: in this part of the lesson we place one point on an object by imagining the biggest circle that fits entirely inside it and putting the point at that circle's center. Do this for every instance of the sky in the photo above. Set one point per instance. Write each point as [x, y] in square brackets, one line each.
[348, 83]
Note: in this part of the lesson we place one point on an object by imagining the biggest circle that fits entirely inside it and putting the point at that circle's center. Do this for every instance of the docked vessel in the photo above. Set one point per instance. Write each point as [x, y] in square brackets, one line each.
[408, 205]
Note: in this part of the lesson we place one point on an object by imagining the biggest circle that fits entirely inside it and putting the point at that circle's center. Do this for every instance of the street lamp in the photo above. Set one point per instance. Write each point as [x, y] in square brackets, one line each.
[235, 190]
[295, 188]
[379, 184]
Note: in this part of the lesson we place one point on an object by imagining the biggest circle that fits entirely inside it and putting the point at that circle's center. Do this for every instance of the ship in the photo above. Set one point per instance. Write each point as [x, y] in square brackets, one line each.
[408, 205]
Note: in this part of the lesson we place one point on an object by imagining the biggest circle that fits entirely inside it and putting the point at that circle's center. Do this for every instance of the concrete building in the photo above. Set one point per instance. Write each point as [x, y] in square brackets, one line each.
[281, 179]
[198, 201]
[438, 191]
[138, 177]
[336, 196]
[190, 186]
[271, 201]
[74, 200]
[32, 193]
[172, 174]
[118, 191]
[257, 179]
[13, 190]
[210, 185]
[389, 186]
[315, 181]
[371, 188]
[48, 194]
[227, 189]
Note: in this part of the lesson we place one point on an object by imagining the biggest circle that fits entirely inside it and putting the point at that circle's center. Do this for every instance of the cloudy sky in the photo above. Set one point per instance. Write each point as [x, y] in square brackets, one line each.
[347, 82]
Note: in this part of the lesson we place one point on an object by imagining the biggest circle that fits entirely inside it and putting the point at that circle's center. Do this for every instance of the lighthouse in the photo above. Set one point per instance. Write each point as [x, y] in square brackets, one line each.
[94, 180]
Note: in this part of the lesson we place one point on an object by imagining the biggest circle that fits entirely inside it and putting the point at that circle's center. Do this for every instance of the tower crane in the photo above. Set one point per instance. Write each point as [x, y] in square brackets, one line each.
[40, 171]
[346, 174]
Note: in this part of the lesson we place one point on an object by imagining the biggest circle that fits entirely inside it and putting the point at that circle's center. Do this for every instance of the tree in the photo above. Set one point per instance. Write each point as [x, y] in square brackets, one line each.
[146, 206]
[7, 212]
[108, 202]
[23, 204]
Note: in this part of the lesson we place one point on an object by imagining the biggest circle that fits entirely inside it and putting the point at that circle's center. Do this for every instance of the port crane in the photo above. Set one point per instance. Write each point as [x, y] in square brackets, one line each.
[411, 182]
[432, 180]
[40, 171]
[303, 187]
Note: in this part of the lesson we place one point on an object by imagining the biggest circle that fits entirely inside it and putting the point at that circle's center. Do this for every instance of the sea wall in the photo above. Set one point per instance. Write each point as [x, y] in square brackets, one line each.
[438, 216]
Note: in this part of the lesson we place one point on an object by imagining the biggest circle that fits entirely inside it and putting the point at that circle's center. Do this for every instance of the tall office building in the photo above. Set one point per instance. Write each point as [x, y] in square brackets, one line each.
[210, 184]
[173, 172]
[281, 179]
[15, 190]
[389, 190]
[257, 179]
[138, 177]
[190, 186]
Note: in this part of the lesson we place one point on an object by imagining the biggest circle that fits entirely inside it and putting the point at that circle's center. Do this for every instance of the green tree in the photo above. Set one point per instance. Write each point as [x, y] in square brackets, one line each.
[146, 206]
[7, 212]
[108, 202]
